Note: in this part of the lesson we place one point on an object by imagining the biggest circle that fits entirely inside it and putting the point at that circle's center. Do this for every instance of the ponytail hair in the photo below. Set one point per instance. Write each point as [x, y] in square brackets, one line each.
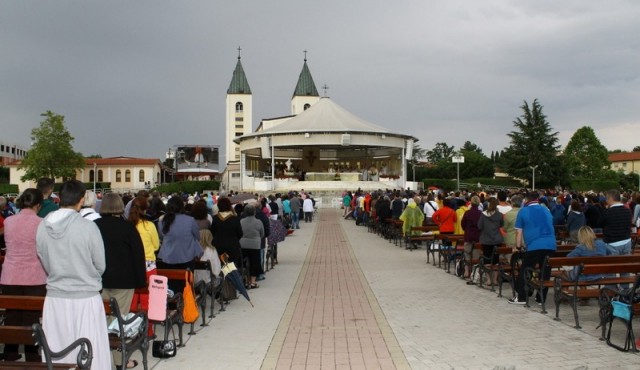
[30, 198]
[174, 207]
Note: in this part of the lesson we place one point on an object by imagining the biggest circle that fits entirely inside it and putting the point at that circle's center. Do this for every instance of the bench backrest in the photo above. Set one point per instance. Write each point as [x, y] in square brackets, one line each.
[17, 335]
[554, 262]
[32, 303]
[615, 268]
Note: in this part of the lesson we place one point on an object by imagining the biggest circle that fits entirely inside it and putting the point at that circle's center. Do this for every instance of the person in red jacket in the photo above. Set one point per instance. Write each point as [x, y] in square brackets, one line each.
[445, 218]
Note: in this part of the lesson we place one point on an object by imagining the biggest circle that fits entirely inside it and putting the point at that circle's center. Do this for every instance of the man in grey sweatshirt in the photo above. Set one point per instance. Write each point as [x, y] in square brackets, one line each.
[71, 250]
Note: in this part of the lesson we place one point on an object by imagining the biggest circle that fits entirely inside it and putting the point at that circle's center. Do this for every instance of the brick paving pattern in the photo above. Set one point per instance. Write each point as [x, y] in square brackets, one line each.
[333, 324]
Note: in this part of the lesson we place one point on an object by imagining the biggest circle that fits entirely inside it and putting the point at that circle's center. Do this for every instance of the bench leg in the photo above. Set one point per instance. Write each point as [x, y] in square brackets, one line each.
[557, 298]
[574, 305]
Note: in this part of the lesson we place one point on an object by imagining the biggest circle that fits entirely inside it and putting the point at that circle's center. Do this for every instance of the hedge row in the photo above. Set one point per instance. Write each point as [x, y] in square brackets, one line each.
[9, 188]
[595, 185]
[472, 183]
[88, 185]
[188, 187]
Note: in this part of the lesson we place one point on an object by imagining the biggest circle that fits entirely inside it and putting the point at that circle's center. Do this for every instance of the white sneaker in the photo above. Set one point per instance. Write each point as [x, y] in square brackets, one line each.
[515, 300]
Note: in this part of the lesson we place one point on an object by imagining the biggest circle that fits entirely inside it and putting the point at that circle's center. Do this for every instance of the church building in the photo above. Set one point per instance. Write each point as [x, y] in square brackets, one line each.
[319, 146]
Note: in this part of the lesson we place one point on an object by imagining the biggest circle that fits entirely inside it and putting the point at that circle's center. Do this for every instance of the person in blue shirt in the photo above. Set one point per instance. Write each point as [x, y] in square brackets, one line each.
[534, 229]
[589, 247]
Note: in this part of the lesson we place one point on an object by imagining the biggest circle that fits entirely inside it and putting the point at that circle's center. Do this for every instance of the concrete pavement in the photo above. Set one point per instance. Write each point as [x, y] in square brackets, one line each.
[392, 307]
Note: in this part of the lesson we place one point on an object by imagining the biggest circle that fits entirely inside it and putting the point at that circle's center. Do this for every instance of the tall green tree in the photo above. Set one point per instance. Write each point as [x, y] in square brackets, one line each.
[585, 156]
[471, 147]
[533, 143]
[440, 152]
[51, 154]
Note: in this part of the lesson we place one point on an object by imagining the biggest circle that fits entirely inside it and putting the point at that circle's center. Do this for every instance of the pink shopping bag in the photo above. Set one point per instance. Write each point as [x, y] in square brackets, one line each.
[158, 297]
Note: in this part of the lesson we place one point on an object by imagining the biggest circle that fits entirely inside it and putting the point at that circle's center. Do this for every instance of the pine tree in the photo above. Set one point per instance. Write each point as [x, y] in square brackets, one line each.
[533, 143]
[584, 156]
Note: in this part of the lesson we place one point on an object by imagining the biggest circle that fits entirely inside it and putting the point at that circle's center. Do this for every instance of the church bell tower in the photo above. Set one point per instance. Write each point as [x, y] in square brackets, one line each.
[239, 118]
[305, 95]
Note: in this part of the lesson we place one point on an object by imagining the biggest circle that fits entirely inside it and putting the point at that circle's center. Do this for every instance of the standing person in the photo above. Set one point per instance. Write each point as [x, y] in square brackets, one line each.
[503, 206]
[534, 229]
[295, 211]
[430, 207]
[445, 218]
[307, 208]
[150, 243]
[411, 217]
[346, 203]
[45, 185]
[510, 221]
[88, 210]
[252, 236]
[575, 220]
[490, 237]
[616, 225]
[124, 258]
[396, 206]
[180, 240]
[471, 232]
[286, 211]
[72, 253]
[227, 232]
[22, 272]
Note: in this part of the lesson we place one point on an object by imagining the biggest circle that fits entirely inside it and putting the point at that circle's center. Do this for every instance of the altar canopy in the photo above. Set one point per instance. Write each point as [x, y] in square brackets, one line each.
[326, 143]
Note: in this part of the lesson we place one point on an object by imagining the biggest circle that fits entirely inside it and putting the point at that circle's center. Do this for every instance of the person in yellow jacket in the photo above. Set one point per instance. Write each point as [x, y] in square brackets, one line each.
[459, 213]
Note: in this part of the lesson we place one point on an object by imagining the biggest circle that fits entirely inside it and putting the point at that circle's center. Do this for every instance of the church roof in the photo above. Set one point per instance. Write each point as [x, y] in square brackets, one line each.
[305, 86]
[239, 83]
[324, 116]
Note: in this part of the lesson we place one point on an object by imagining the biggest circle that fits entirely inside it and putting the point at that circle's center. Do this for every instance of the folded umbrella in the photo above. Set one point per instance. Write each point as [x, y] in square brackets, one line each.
[230, 272]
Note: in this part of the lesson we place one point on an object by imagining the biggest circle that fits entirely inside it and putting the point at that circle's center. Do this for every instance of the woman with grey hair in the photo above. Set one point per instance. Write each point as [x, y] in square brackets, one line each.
[88, 210]
[252, 234]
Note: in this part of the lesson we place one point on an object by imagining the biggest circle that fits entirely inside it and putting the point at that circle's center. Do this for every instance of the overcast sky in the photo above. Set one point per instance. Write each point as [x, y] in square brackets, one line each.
[134, 77]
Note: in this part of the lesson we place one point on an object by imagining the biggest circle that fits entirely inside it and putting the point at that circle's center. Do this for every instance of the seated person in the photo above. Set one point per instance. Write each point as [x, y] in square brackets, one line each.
[589, 247]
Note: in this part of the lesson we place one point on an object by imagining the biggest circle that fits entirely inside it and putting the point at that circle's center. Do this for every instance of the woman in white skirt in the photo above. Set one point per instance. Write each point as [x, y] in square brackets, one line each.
[72, 253]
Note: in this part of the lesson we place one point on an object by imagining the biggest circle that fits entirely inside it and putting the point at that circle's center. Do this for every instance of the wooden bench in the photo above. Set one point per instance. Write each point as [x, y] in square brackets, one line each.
[210, 289]
[451, 253]
[126, 346]
[34, 335]
[412, 240]
[574, 290]
[177, 316]
[501, 269]
[555, 265]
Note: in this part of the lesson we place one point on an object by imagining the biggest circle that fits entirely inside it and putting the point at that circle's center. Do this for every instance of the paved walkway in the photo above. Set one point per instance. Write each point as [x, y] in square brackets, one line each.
[345, 298]
[335, 321]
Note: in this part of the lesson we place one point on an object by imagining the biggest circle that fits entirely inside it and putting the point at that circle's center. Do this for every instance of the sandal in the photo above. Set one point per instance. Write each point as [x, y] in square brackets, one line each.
[254, 286]
[132, 364]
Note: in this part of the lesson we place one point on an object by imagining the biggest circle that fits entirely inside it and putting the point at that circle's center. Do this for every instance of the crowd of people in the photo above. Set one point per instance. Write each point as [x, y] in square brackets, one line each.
[79, 249]
[526, 221]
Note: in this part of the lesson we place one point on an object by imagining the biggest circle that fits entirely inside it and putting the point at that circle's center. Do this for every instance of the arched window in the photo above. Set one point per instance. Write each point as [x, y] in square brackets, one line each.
[141, 176]
[127, 176]
[239, 107]
[307, 106]
[118, 176]
[92, 176]
[100, 176]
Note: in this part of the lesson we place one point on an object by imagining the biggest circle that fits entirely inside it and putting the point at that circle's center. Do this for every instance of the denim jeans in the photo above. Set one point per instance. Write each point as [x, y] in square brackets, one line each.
[621, 250]
[295, 220]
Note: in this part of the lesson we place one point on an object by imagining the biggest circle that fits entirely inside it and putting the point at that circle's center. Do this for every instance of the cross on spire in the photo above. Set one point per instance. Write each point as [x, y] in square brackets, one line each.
[305, 55]
[325, 88]
[239, 50]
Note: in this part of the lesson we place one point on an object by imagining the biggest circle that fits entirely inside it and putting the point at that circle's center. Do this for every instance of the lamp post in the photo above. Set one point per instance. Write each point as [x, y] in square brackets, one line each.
[533, 177]
[457, 159]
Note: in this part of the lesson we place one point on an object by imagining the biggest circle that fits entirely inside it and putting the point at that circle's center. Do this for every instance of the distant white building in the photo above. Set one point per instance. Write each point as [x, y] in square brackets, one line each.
[10, 153]
[124, 173]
